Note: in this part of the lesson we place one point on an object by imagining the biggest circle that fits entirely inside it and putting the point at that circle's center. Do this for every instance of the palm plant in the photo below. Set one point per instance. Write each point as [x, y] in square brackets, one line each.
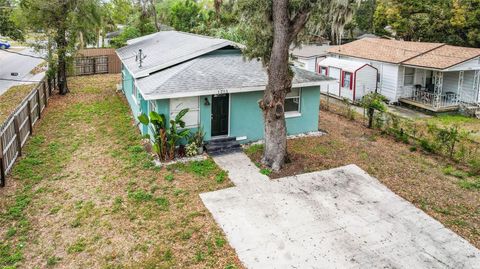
[165, 139]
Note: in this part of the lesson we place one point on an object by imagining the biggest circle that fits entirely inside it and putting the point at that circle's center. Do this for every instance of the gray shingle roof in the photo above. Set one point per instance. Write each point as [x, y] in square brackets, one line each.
[308, 51]
[214, 73]
[165, 49]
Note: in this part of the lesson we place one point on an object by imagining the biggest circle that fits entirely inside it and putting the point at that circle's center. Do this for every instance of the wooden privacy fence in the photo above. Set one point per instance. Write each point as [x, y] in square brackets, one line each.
[18, 127]
[96, 61]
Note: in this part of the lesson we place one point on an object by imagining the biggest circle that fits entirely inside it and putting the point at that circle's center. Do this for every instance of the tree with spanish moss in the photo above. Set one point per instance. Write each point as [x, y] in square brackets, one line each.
[270, 27]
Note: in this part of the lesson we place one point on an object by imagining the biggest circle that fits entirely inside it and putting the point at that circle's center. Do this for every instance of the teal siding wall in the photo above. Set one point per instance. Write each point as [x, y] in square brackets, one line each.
[140, 105]
[309, 108]
[135, 104]
[246, 118]
[163, 107]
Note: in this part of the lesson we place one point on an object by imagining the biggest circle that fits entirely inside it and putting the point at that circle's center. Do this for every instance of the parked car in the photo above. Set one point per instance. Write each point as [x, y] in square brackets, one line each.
[4, 44]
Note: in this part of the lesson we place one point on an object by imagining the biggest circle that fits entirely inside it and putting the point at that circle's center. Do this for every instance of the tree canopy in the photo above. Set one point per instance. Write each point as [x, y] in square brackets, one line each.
[456, 22]
[7, 25]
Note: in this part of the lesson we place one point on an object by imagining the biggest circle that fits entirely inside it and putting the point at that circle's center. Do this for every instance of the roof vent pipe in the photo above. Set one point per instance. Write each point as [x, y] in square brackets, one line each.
[140, 57]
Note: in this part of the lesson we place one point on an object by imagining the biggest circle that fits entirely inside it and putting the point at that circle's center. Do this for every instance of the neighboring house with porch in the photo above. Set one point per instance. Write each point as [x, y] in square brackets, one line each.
[211, 78]
[432, 76]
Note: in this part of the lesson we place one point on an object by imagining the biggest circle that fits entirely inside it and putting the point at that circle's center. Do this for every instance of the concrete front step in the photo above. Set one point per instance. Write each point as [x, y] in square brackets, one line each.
[223, 146]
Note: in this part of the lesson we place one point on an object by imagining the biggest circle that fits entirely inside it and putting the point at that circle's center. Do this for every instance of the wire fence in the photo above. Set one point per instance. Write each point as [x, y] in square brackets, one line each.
[452, 142]
[18, 127]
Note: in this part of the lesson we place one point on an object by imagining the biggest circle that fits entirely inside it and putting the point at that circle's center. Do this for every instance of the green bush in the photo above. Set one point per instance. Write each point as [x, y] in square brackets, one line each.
[470, 185]
[400, 135]
[451, 171]
[427, 146]
[475, 166]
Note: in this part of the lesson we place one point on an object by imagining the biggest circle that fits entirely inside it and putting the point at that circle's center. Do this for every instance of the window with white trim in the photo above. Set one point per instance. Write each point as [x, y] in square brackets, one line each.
[153, 105]
[408, 76]
[192, 118]
[347, 80]
[135, 93]
[292, 101]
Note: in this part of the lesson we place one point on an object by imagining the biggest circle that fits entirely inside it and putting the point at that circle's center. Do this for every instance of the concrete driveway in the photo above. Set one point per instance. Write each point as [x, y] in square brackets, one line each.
[340, 218]
[10, 62]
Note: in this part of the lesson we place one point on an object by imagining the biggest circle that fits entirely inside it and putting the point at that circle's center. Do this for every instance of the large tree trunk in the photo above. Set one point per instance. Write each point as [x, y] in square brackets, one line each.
[62, 51]
[279, 83]
[62, 65]
[280, 78]
[81, 41]
[155, 15]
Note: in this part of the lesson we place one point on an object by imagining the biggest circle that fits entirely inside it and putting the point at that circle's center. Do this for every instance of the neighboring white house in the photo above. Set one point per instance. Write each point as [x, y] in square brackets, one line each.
[433, 76]
[354, 78]
[307, 56]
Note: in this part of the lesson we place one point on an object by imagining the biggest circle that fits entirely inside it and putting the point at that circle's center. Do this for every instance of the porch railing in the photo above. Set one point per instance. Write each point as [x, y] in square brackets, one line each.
[431, 99]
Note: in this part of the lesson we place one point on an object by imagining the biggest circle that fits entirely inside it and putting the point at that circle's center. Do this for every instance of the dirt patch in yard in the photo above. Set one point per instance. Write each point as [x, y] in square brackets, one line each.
[86, 194]
[422, 179]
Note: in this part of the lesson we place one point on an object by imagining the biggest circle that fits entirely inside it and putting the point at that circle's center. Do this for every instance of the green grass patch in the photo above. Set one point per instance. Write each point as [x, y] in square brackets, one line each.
[266, 171]
[470, 184]
[451, 171]
[221, 176]
[203, 168]
[169, 177]
[140, 196]
[254, 149]
[450, 119]
[79, 246]
[162, 202]
[53, 260]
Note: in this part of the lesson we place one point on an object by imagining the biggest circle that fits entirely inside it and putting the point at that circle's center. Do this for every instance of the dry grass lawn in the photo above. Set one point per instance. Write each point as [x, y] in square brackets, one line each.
[12, 98]
[86, 195]
[469, 124]
[432, 184]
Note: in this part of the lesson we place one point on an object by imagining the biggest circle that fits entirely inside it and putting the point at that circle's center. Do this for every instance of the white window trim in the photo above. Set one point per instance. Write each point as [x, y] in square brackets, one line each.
[298, 113]
[135, 94]
[292, 114]
[152, 105]
[412, 75]
[349, 81]
[198, 123]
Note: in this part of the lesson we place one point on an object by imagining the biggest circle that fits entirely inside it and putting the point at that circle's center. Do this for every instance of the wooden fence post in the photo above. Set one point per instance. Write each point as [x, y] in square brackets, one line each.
[30, 124]
[49, 84]
[2, 165]
[39, 106]
[45, 97]
[16, 126]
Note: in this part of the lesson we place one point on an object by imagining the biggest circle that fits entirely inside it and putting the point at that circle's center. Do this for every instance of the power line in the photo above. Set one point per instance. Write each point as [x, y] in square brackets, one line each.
[23, 54]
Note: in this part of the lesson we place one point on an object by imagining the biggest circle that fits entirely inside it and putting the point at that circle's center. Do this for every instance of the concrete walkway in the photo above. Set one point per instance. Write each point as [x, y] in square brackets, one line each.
[340, 218]
[241, 171]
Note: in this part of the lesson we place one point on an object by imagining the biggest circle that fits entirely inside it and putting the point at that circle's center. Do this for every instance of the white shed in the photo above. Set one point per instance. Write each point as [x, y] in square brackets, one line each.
[355, 79]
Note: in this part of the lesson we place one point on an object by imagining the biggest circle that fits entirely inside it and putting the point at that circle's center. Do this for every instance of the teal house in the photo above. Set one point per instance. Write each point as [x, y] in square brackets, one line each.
[169, 71]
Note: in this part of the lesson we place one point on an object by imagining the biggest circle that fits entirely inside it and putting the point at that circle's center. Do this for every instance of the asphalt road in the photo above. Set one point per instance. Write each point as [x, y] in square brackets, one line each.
[22, 65]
